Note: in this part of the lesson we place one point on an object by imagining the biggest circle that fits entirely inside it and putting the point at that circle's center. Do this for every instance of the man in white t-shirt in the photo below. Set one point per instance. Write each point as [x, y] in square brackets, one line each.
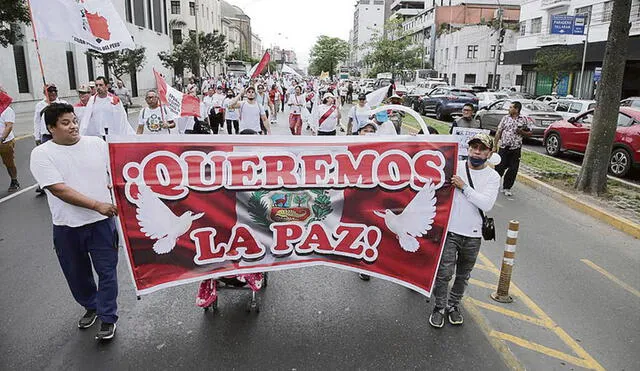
[251, 113]
[154, 119]
[73, 171]
[471, 198]
[385, 126]
[7, 145]
[104, 113]
[40, 133]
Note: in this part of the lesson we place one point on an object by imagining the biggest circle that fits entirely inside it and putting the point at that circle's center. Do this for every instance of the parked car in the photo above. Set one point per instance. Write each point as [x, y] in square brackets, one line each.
[546, 98]
[412, 99]
[447, 101]
[401, 90]
[538, 115]
[573, 135]
[486, 99]
[433, 83]
[572, 107]
[630, 102]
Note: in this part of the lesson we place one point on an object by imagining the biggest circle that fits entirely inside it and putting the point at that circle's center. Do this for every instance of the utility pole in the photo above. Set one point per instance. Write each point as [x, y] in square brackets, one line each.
[584, 56]
[197, 41]
[501, 33]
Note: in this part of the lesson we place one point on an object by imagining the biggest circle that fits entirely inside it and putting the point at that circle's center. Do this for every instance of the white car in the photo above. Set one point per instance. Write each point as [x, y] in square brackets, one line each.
[568, 108]
[486, 98]
[546, 98]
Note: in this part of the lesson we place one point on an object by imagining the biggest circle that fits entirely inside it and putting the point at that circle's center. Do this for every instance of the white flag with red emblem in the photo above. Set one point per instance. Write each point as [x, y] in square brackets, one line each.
[94, 24]
[178, 103]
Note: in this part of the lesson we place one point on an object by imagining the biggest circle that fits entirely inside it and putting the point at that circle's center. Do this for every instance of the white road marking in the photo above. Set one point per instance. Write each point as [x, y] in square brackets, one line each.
[18, 193]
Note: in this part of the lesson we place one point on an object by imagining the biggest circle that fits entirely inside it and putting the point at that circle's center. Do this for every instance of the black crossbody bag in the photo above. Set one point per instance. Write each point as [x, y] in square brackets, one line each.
[488, 225]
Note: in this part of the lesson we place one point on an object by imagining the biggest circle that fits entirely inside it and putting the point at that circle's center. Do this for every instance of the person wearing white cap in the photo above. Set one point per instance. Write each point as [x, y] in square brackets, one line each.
[84, 95]
[396, 116]
[326, 117]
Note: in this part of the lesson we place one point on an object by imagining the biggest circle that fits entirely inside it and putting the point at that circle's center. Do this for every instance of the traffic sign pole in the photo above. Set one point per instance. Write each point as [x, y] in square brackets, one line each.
[584, 56]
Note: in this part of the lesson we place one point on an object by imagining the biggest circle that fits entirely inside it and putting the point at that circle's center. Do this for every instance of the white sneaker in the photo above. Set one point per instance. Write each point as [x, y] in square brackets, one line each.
[508, 193]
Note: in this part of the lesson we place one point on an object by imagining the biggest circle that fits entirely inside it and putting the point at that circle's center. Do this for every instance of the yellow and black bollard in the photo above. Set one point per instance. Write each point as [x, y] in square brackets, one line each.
[502, 294]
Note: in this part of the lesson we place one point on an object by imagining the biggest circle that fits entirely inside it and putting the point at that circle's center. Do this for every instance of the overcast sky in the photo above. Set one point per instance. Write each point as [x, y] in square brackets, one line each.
[299, 22]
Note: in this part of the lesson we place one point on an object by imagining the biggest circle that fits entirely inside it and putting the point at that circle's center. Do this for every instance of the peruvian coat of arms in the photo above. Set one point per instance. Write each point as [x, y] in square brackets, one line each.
[306, 206]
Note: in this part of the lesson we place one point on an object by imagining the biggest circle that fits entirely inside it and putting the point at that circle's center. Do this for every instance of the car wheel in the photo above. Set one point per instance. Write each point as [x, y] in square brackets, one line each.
[552, 145]
[439, 114]
[619, 162]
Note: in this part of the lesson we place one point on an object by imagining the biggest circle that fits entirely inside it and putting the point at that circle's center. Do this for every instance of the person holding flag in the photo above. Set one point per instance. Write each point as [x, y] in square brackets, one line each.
[105, 114]
[326, 117]
[7, 139]
[154, 119]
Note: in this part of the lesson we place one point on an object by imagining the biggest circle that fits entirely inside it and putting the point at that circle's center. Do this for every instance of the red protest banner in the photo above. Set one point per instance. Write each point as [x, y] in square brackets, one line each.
[5, 100]
[192, 209]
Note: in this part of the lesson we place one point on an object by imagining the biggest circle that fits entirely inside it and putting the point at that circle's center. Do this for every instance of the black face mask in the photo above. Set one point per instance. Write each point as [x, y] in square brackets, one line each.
[229, 95]
[476, 161]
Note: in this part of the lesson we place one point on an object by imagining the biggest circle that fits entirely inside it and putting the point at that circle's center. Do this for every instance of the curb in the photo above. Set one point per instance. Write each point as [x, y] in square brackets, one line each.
[621, 224]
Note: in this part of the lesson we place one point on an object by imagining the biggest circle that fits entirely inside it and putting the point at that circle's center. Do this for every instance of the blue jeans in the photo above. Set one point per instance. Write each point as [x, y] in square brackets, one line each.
[459, 254]
[78, 248]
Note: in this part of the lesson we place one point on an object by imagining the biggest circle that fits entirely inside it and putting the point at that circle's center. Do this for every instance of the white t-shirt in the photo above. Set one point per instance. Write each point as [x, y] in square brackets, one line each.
[331, 122]
[102, 111]
[465, 218]
[296, 103]
[250, 116]
[230, 113]
[151, 119]
[387, 128]
[7, 116]
[359, 115]
[83, 166]
[263, 100]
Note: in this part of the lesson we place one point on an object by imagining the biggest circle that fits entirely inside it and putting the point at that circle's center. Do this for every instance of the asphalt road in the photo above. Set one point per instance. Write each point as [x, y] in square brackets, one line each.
[322, 318]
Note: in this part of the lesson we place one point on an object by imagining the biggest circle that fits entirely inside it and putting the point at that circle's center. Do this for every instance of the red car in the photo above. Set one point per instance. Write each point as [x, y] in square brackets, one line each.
[573, 135]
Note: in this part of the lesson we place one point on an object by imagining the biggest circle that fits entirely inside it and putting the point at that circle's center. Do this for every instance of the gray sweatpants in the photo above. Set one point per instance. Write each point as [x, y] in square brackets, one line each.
[459, 254]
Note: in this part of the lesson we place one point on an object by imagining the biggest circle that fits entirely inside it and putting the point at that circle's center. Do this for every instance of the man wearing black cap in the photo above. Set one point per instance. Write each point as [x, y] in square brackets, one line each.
[476, 190]
[40, 133]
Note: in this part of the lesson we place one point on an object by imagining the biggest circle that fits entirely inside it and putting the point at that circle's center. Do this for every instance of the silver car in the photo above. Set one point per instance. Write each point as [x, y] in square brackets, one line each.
[538, 115]
[568, 108]
[486, 98]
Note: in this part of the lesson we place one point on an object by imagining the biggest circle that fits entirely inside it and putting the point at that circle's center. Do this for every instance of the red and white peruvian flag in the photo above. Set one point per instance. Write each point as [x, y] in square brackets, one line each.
[258, 68]
[176, 102]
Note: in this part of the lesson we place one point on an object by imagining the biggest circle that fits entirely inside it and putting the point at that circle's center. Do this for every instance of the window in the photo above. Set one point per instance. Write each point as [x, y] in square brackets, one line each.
[519, 80]
[157, 16]
[446, 54]
[586, 119]
[492, 53]
[624, 121]
[584, 10]
[606, 13]
[71, 70]
[192, 8]
[149, 15]
[536, 25]
[138, 12]
[490, 82]
[563, 107]
[176, 35]
[127, 11]
[90, 68]
[469, 78]
[575, 107]
[175, 7]
[523, 28]
[455, 54]
[453, 77]
[21, 68]
[472, 51]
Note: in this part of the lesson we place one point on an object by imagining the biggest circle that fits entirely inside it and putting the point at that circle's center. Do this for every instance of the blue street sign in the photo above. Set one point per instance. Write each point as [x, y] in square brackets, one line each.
[597, 74]
[567, 24]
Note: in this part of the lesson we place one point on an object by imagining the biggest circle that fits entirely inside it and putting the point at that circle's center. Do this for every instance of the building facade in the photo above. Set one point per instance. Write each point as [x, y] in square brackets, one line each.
[403, 9]
[256, 47]
[67, 65]
[238, 25]
[467, 56]
[535, 34]
[368, 20]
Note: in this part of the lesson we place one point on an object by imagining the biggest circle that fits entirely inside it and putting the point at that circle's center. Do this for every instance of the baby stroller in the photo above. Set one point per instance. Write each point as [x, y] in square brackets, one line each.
[207, 297]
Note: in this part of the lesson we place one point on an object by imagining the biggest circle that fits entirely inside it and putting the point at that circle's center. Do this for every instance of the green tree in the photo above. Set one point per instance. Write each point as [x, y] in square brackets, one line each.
[391, 51]
[593, 174]
[212, 49]
[326, 53]
[11, 12]
[175, 59]
[121, 62]
[555, 62]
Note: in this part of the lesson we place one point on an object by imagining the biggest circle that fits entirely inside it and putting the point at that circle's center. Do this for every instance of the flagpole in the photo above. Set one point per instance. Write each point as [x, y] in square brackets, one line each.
[35, 38]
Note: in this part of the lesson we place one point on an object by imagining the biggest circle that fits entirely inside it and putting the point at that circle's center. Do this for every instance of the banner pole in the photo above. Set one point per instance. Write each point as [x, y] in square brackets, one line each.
[35, 38]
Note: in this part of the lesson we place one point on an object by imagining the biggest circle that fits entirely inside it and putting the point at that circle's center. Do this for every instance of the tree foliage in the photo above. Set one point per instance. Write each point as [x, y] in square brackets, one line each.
[391, 51]
[121, 62]
[211, 49]
[555, 62]
[326, 53]
[11, 12]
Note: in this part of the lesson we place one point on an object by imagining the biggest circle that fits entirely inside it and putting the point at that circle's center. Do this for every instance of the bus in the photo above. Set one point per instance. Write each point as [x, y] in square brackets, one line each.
[414, 77]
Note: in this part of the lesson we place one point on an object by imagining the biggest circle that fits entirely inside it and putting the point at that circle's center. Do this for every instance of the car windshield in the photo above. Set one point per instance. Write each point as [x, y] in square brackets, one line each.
[461, 93]
[537, 106]
[500, 96]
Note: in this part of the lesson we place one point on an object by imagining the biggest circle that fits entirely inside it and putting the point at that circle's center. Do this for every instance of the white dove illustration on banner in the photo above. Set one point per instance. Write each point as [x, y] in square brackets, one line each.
[415, 220]
[158, 222]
